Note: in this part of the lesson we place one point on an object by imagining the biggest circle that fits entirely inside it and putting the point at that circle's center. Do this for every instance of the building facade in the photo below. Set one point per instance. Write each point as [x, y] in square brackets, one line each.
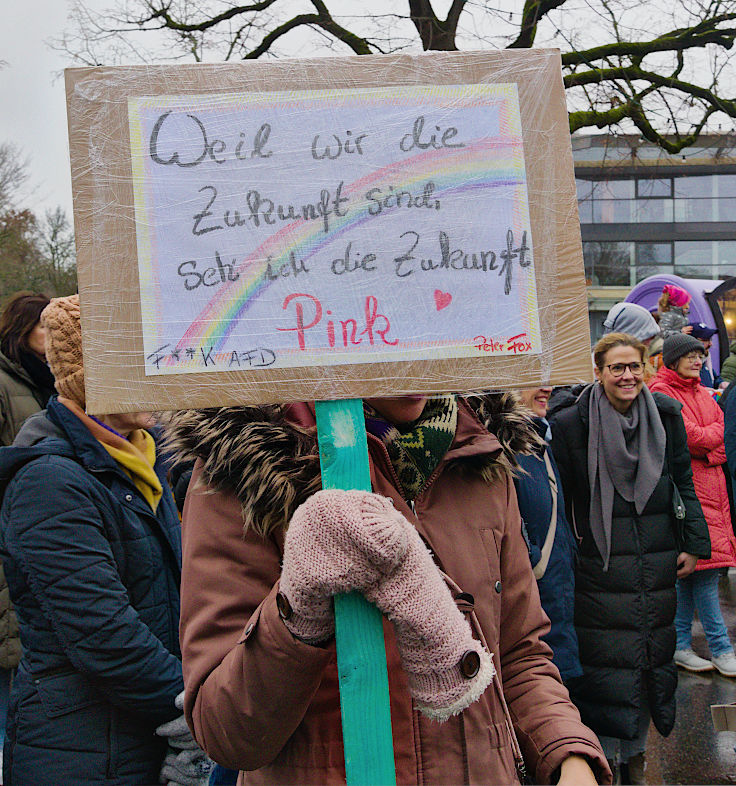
[644, 211]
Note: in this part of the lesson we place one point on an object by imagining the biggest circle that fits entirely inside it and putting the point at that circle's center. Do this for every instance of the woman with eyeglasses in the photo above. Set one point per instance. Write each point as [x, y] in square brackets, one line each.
[679, 378]
[622, 456]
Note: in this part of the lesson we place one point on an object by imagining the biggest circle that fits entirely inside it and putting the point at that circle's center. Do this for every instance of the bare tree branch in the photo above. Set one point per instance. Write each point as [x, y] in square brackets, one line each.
[655, 66]
[533, 11]
[160, 11]
[435, 33]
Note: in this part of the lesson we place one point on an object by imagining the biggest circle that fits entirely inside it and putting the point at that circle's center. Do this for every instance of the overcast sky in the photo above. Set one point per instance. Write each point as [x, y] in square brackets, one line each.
[33, 114]
[32, 97]
[33, 108]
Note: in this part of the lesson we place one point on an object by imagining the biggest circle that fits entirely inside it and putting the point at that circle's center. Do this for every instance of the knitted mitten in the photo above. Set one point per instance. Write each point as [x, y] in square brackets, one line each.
[447, 668]
[186, 768]
[176, 731]
[337, 541]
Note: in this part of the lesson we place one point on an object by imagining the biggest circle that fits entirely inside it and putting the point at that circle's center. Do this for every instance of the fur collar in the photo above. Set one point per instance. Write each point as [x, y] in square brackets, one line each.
[271, 464]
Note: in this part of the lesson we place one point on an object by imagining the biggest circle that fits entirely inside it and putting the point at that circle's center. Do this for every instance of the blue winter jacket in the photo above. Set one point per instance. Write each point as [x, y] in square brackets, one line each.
[557, 586]
[94, 577]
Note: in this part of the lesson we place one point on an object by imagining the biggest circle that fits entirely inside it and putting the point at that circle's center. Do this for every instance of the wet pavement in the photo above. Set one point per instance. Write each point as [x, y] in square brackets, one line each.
[695, 753]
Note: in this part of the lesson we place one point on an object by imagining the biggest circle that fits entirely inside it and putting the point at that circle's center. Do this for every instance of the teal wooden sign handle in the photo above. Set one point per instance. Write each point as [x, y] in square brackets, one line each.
[361, 651]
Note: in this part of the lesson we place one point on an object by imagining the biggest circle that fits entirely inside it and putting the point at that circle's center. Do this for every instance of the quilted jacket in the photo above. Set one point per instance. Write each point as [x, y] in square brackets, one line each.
[94, 577]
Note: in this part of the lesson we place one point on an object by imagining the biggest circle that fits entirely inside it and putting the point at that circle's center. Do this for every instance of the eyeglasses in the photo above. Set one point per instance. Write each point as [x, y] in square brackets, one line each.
[619, 369]
[691, 357]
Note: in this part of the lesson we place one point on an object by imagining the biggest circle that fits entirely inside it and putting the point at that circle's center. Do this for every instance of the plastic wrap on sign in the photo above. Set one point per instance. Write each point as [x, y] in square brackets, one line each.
[324, 229]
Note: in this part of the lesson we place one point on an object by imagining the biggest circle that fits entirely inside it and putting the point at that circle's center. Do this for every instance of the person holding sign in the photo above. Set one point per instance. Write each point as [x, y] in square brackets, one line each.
[91, 543]
[622, 456]
[549, 535]
[437, 547]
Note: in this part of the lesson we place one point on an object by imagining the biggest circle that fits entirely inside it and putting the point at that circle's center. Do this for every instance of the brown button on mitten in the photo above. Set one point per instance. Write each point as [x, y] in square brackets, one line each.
[447, 668]
[337, 541]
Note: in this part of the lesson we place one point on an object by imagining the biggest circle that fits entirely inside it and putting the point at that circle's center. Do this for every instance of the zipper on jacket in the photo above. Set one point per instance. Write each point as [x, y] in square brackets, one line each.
[392, 471]
[644, 603]
[430, 480]
[575, 523]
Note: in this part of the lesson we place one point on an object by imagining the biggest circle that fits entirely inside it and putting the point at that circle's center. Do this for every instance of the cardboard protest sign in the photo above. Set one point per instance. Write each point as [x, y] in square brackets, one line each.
[324, 229]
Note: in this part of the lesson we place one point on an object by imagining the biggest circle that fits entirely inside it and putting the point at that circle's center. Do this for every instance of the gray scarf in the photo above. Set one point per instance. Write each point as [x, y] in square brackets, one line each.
[625, 454]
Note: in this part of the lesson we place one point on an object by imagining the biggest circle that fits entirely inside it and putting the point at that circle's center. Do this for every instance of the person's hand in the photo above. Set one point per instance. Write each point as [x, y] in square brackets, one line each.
[575, 771]
[177, 732]
[186, 768]
[687, 329]
[337, 541]
[447, 668]
[724, 384]
[186, 764]
[685, 564]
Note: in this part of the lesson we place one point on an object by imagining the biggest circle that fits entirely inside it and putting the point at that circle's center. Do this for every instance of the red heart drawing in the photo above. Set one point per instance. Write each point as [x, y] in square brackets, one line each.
[442, 299]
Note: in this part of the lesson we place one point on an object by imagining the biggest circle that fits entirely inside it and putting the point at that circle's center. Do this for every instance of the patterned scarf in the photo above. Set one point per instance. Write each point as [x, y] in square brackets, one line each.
[416, 452]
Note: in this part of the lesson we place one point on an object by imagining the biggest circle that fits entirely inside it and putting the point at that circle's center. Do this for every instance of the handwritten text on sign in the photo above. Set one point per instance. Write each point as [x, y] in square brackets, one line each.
[332, 227]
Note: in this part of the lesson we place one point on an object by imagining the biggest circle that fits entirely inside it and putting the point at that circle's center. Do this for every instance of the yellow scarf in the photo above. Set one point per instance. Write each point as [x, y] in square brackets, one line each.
[135, 455]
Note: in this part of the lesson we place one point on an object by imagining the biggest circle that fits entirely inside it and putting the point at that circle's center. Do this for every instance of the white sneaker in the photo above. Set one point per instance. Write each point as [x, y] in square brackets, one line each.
[687, 659]
[726, 664]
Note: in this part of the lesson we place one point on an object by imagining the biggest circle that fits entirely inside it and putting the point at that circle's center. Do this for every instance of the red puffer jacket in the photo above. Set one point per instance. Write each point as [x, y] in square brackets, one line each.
[704, 425]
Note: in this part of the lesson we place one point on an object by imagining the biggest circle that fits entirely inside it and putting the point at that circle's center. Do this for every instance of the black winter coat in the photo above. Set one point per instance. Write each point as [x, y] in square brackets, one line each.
[624, 617]
[94, 576]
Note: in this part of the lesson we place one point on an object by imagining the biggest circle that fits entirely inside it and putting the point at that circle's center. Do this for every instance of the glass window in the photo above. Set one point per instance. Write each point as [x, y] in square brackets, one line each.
[696, 254]
[584, 189]
[613, 189]
[725, 185]
[585, 211]
[697, 186]
[653, 211]
[654, 187]
[612, 275]
[726, 208]
[644, 271]
[607, 264]
[654, 253]
[726, 255]
[686, 271]
[697, 209]
[653, 259]
[612, 211]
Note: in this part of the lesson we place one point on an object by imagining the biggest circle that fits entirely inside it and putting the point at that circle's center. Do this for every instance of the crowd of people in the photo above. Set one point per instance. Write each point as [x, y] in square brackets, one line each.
[538, 557]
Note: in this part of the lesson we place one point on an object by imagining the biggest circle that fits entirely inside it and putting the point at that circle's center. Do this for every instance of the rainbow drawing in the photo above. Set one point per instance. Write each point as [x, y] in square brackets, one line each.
[481, 167]
[457, 173]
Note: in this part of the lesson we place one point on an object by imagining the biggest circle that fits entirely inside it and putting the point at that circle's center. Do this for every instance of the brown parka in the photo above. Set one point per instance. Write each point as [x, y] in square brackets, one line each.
[260, 701]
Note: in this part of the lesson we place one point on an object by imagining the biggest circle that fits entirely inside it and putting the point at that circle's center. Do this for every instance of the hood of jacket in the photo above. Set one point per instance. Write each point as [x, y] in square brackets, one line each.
[670, 377]
[54, 431]
[268, 457]
[39, 436]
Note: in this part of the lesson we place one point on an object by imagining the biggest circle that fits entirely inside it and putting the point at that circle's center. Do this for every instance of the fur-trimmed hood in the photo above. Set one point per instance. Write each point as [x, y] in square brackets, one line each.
[267, 456]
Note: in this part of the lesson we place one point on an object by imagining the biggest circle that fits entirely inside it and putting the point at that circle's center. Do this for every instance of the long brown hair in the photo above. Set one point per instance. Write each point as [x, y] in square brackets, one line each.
[20, 315]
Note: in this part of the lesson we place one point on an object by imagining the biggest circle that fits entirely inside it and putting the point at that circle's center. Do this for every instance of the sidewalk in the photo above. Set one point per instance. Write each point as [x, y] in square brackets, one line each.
[695, 753]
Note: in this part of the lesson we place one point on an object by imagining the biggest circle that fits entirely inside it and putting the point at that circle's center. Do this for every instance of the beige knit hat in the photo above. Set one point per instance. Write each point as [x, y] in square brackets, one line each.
[64, 346]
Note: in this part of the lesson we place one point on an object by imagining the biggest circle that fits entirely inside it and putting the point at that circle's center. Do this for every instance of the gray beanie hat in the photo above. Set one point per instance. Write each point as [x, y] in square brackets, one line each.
[632, 319]
[678, 344]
